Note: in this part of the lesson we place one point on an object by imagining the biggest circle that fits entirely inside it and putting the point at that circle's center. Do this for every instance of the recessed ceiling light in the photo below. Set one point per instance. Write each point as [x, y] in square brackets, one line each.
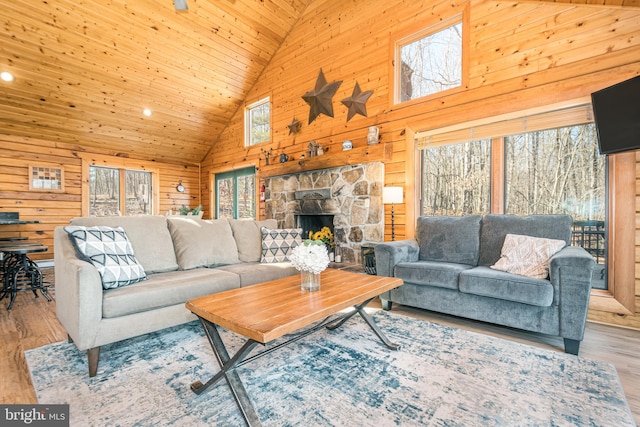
[6, 76]
[146, 112]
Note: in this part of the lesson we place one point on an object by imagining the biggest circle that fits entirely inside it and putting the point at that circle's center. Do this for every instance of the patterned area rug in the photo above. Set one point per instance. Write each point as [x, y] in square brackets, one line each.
[441, 376]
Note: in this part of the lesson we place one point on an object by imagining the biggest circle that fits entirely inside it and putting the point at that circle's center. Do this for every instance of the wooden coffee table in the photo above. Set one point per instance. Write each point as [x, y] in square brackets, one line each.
[270, 310]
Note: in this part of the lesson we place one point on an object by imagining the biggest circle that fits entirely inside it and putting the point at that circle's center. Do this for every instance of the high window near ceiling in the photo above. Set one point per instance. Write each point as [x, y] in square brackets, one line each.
[257, 122]
[114, 191]
[554, 170]
[236, 194]
[429, 61]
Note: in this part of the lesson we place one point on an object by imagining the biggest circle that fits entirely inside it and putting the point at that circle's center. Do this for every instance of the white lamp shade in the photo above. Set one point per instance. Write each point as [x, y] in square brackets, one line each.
[392, 195]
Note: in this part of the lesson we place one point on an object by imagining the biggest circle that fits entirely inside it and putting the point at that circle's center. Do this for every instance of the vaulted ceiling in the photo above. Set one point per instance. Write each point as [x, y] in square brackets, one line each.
[86, 69]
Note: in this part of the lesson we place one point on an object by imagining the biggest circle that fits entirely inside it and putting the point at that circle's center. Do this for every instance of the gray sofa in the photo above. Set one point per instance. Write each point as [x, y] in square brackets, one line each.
[447, 269]
[182, 258]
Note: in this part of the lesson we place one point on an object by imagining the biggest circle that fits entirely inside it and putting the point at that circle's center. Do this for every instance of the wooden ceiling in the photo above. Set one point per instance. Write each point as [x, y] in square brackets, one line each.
[85, 70]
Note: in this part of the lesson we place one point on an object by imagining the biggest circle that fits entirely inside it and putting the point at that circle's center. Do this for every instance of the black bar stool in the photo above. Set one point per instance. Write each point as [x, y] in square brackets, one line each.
[20, 272]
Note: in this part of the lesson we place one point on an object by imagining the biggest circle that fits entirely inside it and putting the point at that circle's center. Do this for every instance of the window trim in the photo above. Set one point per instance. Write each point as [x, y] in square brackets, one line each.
[413, 34]
[247, 120]
[619, 298]
[120, 164]
[235, 174]
[501, 126]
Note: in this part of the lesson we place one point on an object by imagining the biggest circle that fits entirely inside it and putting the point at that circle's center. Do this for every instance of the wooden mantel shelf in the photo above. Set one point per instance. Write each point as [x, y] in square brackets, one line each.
[332, 159]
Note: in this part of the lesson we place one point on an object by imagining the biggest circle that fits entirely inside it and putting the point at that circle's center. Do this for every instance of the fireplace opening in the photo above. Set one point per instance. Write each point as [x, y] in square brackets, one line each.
[313, 222]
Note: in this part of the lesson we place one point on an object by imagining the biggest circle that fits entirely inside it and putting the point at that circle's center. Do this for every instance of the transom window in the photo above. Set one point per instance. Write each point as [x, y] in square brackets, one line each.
[429, 62]
[257, 119]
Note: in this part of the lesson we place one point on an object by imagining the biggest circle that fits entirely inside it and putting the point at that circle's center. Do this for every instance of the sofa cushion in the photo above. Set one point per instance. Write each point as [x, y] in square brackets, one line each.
[202, 243]
[110, 252]
[449, 239]
[166, 289]
[278, 243]
[149, 237]
[431, 273]
[248, 237]
[527, 256]
[506, 286]
[252, 273]
[496, 227]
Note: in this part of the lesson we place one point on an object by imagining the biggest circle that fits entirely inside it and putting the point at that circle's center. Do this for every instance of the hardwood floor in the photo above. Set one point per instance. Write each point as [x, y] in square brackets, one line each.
[32, 323]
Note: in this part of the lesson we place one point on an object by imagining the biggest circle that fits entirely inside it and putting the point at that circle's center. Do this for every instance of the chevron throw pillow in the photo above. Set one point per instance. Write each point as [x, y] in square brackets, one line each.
[110, 251]
[278, 243]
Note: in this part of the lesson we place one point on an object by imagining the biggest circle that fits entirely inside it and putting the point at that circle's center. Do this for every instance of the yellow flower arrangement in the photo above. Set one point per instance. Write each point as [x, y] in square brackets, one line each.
[325, 235]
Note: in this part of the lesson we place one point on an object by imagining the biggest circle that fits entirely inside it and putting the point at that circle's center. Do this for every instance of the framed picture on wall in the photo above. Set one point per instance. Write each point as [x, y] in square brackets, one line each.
[46, 178]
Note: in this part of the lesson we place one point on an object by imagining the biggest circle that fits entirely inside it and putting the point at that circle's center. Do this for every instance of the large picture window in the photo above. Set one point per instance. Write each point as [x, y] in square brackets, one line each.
[555, 170]
[560, 171]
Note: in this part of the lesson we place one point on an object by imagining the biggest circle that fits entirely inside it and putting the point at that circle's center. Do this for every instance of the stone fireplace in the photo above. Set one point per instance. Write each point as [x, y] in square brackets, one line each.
[349, 196]
[311, 222]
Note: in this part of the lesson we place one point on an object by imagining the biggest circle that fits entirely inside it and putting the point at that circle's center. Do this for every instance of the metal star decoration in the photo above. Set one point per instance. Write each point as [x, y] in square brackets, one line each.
[294, 126]
[357, 102]
[319, 99]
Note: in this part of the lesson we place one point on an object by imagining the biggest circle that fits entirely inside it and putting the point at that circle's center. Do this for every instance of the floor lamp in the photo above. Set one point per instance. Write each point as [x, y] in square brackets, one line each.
[392, 195]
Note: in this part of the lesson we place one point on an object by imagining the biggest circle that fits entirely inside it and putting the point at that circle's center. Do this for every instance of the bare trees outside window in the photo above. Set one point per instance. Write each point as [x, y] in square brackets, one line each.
[550, 171]
[138, 192]
[556, 171]
[456, 178]
[429, 63]
[561, 171]
[105, 196]
[104, 191]
[257, 120]
[236, 194]
[225, 190]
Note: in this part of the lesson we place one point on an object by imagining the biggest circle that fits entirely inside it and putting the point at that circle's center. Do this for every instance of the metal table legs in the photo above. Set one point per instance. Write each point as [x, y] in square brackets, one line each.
[21, 274]
[229, 364]
[372, 324]
[228, 372]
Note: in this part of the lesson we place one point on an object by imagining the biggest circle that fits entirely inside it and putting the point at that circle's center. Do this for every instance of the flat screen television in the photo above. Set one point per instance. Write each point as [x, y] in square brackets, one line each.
[616, 112]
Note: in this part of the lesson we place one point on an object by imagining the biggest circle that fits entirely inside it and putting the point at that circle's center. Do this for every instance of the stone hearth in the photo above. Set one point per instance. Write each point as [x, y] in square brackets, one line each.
[352, 194]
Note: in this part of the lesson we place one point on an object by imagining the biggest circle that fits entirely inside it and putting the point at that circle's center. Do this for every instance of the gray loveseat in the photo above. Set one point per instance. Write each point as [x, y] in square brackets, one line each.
[182, 258]
[447, 269]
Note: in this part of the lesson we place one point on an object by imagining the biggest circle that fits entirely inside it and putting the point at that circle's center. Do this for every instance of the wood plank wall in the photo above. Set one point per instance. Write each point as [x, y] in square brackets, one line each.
[55, 209]
[520, 56]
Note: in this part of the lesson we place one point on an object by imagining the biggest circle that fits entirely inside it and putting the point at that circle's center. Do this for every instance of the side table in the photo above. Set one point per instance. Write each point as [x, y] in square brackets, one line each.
[20, 273]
